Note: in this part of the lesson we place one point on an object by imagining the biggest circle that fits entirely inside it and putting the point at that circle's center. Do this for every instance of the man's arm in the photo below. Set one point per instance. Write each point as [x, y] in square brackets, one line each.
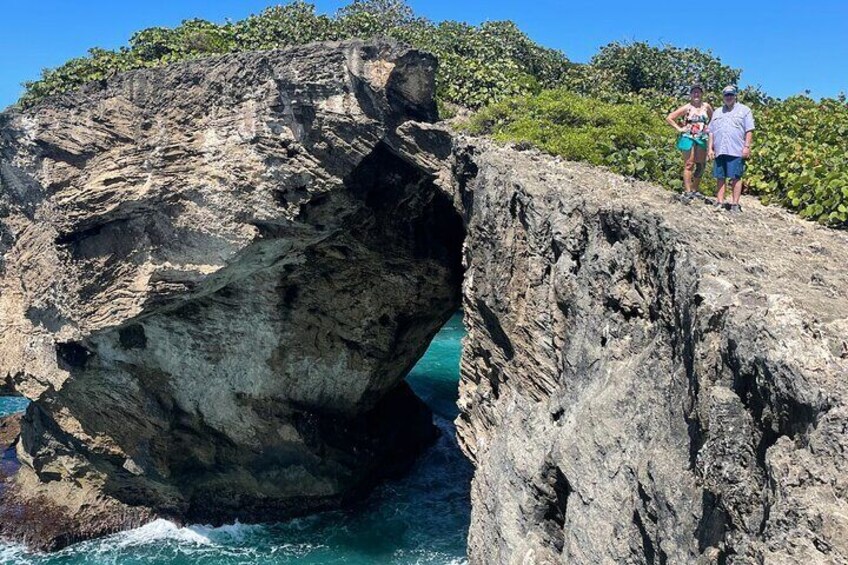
[710, 149]
[749, 138]
[749, 134]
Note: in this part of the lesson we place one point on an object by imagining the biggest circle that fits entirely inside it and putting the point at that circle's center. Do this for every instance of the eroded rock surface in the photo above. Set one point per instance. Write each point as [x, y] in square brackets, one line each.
[648, 382]
[214, 277]
[10, 429]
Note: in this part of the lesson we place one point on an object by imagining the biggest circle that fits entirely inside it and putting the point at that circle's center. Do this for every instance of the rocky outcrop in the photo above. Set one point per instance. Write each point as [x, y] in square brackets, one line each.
[214, 277]
[10, 429]
[648, 382]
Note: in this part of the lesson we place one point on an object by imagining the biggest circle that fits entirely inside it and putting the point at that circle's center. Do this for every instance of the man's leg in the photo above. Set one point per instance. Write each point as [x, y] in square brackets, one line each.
[720, 175]
[737, 190]
[738, 169]
[720, 193]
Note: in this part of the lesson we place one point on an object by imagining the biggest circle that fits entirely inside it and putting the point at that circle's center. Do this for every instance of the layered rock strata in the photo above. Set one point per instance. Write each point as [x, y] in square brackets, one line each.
[648, 382]
[214, 277]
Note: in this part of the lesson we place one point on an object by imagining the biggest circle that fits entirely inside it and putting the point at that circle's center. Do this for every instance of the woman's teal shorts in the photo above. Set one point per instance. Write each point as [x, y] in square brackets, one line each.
[685, 142]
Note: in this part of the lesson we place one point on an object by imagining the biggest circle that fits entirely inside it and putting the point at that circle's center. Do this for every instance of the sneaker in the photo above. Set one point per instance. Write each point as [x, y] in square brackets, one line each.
[734, 208]
[698, 195]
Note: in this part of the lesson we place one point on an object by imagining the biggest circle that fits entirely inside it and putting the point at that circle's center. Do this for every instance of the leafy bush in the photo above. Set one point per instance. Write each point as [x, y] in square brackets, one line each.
[667, 70]
[655, 75]
[478, 64]
[191, 39]
[800, 158]
[629, 138]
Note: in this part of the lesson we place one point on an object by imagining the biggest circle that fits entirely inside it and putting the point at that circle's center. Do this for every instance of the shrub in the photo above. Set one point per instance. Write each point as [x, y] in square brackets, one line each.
[647, 73]
[193, 38]
[666, 70]
[800, 158]
[372, 18]
[281, 26]
[478, 64]
[629, 138]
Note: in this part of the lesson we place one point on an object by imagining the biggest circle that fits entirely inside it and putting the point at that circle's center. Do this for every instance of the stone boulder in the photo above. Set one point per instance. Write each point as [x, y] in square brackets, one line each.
[214, 277]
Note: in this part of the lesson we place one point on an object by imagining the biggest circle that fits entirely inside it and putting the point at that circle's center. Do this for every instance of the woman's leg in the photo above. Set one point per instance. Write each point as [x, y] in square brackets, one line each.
[700, 157]
[688, 169]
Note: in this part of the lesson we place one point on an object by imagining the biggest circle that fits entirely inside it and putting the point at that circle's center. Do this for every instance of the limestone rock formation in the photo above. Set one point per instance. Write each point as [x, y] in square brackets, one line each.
[648, 382]
[214, 277]
[10, 429]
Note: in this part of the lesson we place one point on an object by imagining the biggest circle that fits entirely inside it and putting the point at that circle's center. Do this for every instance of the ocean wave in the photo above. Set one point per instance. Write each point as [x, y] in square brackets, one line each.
[164, 533]
[162, 542]
[158, 531]
[12, 554]
[424, 557]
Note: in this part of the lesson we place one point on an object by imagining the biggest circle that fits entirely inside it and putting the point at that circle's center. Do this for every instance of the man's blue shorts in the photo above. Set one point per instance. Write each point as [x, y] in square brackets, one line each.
[728, 167]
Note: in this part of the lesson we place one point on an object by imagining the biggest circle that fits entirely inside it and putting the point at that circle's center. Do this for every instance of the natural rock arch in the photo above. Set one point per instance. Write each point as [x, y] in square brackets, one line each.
[215, 275]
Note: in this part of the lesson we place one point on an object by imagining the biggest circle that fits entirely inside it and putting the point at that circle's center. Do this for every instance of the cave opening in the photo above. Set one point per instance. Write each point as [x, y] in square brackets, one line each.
[433, 498]
[403, 217]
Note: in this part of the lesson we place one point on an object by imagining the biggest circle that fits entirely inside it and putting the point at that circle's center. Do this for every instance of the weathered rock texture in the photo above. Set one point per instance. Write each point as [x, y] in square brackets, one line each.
[10, 429]
[214, 277]
[648, 382]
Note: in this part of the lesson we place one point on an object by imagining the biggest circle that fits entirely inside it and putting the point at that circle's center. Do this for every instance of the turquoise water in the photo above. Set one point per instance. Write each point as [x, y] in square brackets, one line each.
[11, 404]
[421, 519]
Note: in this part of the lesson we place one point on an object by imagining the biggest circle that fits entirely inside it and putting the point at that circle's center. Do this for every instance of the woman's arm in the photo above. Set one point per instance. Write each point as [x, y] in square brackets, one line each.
[674, 116]
[710, 111]
[710, 150]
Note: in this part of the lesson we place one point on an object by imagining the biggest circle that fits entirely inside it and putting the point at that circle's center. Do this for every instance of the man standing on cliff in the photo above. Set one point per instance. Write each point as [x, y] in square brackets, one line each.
[731, 132]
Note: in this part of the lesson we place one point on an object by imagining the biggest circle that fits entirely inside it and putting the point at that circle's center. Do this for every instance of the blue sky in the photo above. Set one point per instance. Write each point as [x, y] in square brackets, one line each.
[784, 46]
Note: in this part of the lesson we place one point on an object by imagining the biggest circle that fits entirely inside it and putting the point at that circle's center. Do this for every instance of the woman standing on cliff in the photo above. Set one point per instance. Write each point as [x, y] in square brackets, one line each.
[693, 138]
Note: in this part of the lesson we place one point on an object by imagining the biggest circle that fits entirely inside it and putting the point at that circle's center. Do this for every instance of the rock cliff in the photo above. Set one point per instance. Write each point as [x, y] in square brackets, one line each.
[648, 382]
[214, 277]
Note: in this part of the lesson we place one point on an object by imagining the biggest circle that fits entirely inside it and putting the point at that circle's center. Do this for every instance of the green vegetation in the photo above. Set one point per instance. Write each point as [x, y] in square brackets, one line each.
[629, 138]
[607, 112]
[478, 64]
[646, 69]
[800, 158]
